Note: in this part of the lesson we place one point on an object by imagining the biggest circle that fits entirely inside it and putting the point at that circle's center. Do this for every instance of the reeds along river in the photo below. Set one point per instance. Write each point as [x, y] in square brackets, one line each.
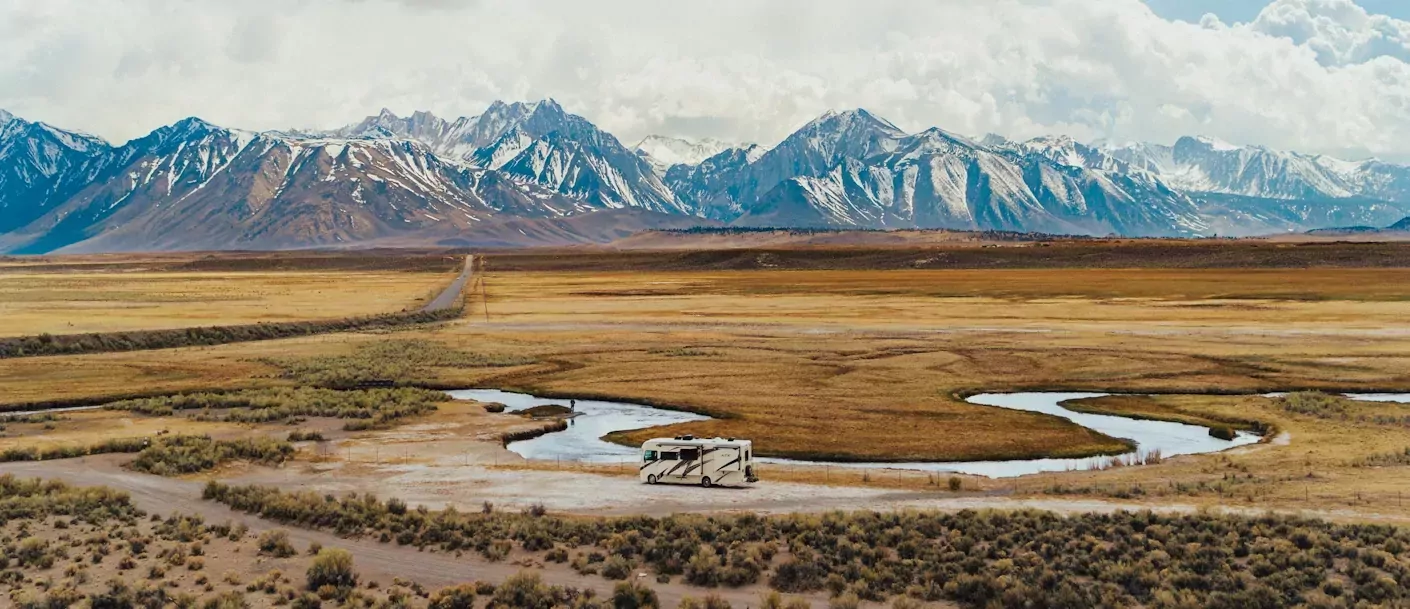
[582, 441]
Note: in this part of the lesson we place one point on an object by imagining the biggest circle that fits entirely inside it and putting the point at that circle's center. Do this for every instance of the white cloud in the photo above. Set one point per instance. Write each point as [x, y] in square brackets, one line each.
[1311, 75]
[1338, 31]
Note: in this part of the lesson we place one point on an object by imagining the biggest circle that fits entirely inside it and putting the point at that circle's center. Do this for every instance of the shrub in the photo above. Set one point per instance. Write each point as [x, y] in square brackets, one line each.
[332, 567]
[956, 483]
[276, 543]
[227, 600]
[305, 436]
[906, 602]
[177, 455]
[495, 407]
[631, 595]
[524, 590]
[1315, 404]
[616, 567]
[714, 601]
[363, 408]
[846, 600]
[456, 597]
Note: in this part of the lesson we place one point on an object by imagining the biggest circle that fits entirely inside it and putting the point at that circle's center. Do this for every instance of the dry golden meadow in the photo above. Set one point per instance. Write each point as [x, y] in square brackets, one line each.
[873, 364]
[81, 302]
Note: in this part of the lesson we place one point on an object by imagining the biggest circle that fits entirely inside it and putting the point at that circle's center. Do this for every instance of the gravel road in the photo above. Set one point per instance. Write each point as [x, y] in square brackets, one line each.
[446, 299]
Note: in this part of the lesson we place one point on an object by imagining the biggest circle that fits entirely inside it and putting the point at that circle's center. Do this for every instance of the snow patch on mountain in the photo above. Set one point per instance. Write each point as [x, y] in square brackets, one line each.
[664, 152]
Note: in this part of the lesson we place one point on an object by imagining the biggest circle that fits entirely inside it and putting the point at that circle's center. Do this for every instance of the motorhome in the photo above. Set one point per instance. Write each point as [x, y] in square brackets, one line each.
[703, 461]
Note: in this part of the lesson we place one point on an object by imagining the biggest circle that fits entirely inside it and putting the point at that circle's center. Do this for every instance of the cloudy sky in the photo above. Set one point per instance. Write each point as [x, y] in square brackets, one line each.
[1328, 76]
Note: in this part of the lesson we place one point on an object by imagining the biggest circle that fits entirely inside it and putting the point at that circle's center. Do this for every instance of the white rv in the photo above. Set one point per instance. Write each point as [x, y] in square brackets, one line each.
[703, 461]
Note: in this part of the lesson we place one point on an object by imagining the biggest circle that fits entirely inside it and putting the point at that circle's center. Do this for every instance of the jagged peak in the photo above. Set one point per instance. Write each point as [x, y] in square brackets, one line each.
[6, 117]
[548, 108]
[194, 122]
[849, 117]
[994, 140]
[1213, 143]
[936, 133]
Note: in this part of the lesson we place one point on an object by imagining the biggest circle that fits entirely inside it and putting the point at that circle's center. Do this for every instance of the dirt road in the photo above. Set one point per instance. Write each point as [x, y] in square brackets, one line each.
[446, 299]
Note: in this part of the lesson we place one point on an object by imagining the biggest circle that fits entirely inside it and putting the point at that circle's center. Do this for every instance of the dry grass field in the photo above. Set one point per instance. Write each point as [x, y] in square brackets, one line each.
[80, 302]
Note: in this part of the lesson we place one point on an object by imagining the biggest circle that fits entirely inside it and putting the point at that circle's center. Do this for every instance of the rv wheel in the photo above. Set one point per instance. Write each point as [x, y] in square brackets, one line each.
[705, 482]
[651, 479]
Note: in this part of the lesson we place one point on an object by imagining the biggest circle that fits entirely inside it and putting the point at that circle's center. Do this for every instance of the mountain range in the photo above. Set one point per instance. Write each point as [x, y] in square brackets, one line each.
[536, 169]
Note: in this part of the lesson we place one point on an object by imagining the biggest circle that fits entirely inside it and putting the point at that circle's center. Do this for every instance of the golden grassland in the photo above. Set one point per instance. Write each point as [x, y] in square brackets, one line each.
[82, 302]
[87, 428]
[873, 364]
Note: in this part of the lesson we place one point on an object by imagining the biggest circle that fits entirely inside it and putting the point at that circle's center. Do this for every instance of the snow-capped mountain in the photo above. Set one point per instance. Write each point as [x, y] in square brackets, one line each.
[936, 179]
[197, 185]
[516, 166]
[696, 184]
[40, 166]
[664, 152]
[1203, 164]
[568, 154]
[458, 139]
[812, 151]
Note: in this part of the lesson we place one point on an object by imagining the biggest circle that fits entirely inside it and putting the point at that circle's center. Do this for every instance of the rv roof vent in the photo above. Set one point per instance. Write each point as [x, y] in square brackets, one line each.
[687, 437]
[731, 439]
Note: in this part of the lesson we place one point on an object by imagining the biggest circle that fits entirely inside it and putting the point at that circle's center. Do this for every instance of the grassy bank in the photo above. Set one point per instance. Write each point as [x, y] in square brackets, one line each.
[1160, 408]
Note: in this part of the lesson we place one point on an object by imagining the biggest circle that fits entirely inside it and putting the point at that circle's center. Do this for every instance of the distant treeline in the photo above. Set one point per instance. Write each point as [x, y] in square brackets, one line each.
[142, 340]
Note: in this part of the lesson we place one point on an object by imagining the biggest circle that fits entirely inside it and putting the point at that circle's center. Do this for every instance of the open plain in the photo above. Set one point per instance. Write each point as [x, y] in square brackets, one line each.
[830, 365]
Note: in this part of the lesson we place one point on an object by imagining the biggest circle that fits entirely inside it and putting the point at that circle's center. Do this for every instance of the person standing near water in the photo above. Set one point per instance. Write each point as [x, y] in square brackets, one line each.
[572, 405]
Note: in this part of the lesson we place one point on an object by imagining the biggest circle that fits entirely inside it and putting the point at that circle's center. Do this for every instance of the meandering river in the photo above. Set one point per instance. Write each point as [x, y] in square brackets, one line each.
[582, 441]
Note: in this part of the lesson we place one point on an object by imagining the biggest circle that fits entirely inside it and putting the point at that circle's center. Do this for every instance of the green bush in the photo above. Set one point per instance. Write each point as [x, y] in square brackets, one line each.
[616, 567]
[631, 595]
[367, 408]
[455, 597]
[305, 436]
[276, 543]
[176, 455]
[332, 567]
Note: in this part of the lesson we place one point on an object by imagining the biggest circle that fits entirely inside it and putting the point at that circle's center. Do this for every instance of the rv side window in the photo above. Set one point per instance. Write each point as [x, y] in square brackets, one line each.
[650, 455]
[669, 456]
[690, 454]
